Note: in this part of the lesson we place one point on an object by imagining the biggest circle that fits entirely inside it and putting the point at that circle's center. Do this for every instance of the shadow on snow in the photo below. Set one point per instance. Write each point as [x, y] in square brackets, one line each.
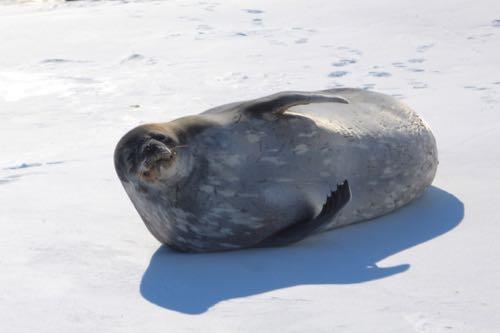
[192, 283]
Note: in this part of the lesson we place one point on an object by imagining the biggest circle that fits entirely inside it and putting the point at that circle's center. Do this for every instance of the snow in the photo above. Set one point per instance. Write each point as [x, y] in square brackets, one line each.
[74, 77]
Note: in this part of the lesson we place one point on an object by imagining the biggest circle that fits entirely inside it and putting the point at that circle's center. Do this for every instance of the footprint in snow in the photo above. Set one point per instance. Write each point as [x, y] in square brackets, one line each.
[134, 57]
[338, 74]
[23, 166]
[344, 62]
[475, 88]
[355, 52]
[61, 61]
[419, 85]
[368, 86]
[350, 50]
[257, 21]
[416, 60]
[55, 61]
[399, 64]
[254, 11]
[425, 47]
[379, 74]
[137, 57]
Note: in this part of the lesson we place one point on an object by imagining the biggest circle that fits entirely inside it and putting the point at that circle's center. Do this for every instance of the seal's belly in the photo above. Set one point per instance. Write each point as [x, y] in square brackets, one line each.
[271, 173]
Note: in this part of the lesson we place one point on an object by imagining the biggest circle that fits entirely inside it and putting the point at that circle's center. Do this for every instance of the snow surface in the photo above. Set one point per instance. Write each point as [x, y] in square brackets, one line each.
[74, 77]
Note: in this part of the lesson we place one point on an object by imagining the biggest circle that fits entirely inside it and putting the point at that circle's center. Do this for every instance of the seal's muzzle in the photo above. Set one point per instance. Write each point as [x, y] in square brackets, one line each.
[155, 154]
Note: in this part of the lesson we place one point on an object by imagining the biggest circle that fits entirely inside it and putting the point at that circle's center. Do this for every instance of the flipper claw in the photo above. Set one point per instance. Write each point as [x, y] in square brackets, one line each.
[335, 201]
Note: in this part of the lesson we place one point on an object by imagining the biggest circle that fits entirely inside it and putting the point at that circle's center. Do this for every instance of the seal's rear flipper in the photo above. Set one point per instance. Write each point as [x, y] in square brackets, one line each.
[300, 230]
[278, 103]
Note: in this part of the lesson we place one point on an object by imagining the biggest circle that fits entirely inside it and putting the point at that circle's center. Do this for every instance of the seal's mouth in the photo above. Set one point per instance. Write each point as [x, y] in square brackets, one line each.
[154, 166]
[161, 157]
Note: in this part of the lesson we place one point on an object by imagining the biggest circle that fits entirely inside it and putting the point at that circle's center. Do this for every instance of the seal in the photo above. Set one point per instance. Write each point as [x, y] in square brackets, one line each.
[274, 170]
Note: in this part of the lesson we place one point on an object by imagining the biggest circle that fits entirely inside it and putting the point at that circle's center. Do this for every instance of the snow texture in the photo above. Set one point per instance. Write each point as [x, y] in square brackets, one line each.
[75, 76]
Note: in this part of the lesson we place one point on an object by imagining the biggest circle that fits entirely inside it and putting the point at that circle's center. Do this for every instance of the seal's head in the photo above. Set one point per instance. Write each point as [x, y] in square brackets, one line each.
[147, 156]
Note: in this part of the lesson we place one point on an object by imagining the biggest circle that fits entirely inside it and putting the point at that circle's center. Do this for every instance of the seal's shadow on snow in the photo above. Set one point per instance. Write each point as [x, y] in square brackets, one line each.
[192, 283]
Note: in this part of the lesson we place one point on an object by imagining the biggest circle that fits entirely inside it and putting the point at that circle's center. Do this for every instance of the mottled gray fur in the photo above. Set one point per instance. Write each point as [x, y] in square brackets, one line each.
[238, 177]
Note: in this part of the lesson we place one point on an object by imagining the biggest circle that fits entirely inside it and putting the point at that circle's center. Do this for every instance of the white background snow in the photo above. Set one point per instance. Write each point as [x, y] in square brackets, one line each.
[74, 77]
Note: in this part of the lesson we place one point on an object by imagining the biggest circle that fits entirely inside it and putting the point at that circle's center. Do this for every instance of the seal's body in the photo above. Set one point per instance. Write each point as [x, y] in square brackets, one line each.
[267, 172]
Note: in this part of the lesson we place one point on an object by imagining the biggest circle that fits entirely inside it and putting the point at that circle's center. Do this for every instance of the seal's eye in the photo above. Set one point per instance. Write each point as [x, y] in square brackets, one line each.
[146, 173]
[162, 138]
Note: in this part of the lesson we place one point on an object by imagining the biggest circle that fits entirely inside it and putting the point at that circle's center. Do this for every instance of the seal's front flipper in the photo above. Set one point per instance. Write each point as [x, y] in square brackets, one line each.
[277, 104]
[300, 230]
